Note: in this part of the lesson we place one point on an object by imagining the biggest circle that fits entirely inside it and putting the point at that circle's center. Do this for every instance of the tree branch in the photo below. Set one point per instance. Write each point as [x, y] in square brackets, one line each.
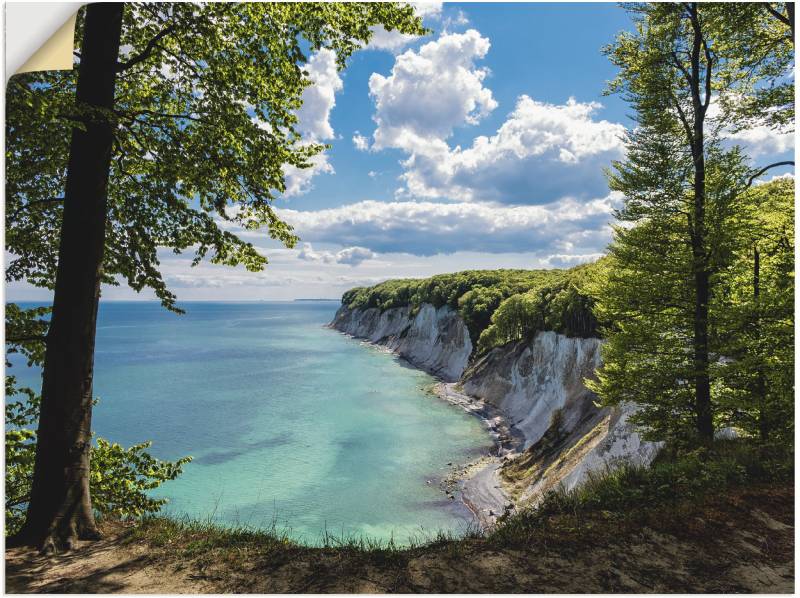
[780, 16]
[25, 339]
[766, 168]
[148, 50]
[31, 203]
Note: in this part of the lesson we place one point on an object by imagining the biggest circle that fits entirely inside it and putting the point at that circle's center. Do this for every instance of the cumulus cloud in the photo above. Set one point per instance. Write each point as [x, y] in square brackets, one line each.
[756, 141]
[360, 142]
[352, 256]
[762, 140]
[567, 228]
[431, 91]
[432, 10]
[540, 153]
[319, 98]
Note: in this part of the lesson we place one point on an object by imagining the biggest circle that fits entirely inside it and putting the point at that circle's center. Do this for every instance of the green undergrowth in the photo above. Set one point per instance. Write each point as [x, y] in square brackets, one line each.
[674, 484]
[196, 536]
[673, 481]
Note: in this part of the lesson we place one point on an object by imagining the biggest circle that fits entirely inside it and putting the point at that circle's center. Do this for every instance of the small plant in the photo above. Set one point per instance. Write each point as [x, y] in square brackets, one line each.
[120, 478]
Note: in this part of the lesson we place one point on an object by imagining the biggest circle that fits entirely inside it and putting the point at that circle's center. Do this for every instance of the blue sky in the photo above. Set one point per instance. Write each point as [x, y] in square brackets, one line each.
[481, 145]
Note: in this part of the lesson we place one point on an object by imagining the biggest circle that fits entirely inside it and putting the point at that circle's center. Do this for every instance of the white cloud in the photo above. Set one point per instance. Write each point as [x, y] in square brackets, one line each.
[352, 256]
[431, 91]
[567, 227]
[320, 97]
[360, 142]
[459, 20]
[314, 119]
[763, 140]
[540, 153]
[391, 41]
[756, 141]
[428, 10]
[394, 41]
[299, 180]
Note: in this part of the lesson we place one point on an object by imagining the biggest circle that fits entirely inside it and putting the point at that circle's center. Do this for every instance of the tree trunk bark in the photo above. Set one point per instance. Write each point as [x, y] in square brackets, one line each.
[702, 277]
[60, 509]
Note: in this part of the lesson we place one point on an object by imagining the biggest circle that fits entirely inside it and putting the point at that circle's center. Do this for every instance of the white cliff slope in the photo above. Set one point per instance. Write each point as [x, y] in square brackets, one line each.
[434, 340]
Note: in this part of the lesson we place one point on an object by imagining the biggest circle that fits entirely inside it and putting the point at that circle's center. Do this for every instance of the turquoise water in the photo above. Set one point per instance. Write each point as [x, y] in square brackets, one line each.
[288, 421]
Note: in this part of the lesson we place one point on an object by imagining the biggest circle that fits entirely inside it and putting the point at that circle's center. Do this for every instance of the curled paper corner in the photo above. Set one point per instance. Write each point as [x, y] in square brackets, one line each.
[39, 36]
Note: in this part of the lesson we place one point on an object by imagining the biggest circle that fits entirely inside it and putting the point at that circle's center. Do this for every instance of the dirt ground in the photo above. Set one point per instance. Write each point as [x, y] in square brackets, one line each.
[738, 543]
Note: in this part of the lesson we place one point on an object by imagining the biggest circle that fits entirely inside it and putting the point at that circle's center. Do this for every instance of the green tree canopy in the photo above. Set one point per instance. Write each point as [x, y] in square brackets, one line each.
[205, 125]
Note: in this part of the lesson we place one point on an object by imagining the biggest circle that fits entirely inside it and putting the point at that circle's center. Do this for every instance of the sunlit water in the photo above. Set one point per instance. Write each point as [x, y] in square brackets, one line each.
[289, 423]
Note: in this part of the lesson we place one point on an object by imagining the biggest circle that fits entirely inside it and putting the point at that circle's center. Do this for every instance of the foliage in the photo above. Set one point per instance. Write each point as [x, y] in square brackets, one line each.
[678, 234]
[479, 294]
[120, 478]
[755, 314]
[758, 83]
[205, 130]
[558, 303]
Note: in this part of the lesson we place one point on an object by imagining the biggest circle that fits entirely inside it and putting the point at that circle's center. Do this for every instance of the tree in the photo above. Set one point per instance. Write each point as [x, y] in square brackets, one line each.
[667, 73]
[755, 311]
[759, 39]
[181, 122]
[682, 193]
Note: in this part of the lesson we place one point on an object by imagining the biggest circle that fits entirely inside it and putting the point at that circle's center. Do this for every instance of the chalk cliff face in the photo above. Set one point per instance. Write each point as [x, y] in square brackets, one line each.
[537, 385]
[434, 340]
[529, 381]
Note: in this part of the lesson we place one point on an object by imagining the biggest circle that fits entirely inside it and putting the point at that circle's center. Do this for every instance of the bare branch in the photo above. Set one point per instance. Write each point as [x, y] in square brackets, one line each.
[148, 50]
[766, 168]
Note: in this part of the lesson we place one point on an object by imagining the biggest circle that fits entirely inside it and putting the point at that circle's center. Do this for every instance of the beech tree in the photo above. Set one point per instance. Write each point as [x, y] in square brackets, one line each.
[681, 190]
[178, 120]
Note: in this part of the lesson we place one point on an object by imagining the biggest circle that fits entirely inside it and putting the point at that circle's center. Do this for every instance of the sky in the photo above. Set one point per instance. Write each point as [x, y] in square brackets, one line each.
[481, 145]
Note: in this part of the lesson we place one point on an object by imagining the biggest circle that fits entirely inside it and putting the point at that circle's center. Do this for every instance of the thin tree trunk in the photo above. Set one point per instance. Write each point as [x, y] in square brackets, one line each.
[761, 383]
[703, 411]
[60, 509]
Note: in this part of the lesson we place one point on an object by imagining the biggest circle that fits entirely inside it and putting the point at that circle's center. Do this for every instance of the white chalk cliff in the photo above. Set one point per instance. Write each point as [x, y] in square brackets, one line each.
[536, 385]
[434, 340]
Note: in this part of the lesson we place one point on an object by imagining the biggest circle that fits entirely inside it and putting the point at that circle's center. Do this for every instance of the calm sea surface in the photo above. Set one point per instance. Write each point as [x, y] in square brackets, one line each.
[288, 422]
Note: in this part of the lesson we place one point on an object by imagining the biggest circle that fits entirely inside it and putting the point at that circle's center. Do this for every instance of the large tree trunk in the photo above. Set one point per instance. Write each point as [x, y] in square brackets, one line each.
[60, 508]
[700, 262]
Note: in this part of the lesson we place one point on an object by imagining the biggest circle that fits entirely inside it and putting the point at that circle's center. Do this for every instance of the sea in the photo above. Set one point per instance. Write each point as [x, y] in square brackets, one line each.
[291, 425]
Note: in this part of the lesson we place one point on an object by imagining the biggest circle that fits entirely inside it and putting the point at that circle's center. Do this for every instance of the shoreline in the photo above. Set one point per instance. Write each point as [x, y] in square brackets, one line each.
[476, 482]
